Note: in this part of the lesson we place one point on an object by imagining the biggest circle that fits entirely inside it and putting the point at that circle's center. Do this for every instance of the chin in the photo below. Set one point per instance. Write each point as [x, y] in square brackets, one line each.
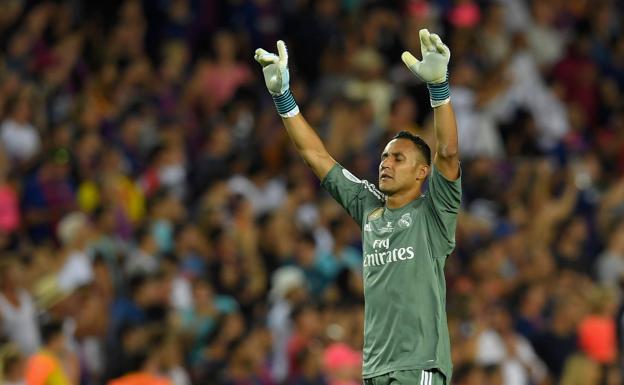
[385, 189]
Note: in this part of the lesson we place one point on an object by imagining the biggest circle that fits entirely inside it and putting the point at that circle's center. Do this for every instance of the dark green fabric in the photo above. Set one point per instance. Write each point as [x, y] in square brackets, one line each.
[405, 250]
[408, 377]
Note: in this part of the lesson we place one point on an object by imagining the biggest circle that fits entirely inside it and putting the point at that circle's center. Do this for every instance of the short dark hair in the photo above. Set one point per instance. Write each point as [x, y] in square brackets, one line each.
[50, 329]
[422, 146]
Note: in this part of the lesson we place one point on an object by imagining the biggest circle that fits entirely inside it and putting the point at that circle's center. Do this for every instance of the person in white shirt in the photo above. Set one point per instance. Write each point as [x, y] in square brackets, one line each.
[18, 315]
[73, 232]
[17, 134]
[499, 344]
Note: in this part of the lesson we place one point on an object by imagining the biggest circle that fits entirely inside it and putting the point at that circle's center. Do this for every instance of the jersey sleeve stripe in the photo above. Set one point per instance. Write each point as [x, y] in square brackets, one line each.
[370, 187]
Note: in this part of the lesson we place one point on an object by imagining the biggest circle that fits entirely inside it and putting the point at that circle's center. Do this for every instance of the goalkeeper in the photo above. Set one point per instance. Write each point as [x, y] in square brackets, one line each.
[406, 233]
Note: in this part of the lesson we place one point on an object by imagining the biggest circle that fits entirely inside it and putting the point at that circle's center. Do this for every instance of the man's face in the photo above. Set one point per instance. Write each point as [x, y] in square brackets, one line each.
[401, 166]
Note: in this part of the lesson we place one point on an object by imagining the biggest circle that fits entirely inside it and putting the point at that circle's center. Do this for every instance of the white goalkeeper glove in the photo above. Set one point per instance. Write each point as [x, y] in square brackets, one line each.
[277, 79]
[433, 69]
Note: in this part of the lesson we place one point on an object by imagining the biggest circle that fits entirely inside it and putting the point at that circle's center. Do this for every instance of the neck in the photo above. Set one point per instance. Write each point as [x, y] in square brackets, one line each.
[400, 199]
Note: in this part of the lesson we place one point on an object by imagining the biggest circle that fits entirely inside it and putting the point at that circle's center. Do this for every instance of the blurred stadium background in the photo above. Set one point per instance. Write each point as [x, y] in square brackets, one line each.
[154, 217]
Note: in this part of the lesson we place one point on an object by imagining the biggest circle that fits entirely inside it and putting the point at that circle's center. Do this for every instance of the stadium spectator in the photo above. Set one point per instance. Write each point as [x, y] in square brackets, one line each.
[149, 366]
[52, 364]
[18, 313]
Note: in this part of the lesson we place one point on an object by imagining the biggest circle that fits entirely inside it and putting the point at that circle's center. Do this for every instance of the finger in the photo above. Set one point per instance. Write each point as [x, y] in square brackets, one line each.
[437, 43]
[260, 52]
[264, 57]
[410, 61]
[282, 52]
[446, 51]
[425, 41]
[257, 54]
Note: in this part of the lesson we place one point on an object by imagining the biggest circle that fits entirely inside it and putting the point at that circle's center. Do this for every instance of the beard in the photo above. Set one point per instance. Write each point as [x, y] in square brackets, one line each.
[387, 190]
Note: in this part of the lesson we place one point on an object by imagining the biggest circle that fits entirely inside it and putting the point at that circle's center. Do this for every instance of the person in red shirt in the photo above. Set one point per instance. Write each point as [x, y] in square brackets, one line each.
[596, 332]
[308, 329]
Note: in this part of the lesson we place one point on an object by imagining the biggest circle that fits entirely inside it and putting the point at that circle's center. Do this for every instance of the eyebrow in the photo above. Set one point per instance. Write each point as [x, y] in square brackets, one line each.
[395, 154]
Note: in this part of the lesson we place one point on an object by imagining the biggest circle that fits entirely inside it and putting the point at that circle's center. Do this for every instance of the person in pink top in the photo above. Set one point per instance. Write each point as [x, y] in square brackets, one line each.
[217, 80]
[342, 364]
[9, 201]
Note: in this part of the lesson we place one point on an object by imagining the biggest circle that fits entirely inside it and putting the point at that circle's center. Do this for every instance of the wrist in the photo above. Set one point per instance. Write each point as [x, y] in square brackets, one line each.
[285, 104]
[439, 92]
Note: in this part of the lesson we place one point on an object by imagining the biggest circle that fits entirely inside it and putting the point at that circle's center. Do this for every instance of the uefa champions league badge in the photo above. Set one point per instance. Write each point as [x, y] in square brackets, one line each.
[347, 174]
[375, 214]
[405, 221]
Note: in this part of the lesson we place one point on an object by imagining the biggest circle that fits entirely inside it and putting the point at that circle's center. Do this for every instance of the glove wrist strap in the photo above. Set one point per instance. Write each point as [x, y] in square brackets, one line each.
[439, 93]
[286, 105]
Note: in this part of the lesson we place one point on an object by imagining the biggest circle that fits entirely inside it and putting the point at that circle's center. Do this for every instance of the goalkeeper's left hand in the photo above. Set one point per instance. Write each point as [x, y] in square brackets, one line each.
[433, 68]
[275, 68]
[277, 79]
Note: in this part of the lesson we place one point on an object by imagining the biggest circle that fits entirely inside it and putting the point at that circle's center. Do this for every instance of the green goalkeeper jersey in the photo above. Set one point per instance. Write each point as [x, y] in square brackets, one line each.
[404, 252]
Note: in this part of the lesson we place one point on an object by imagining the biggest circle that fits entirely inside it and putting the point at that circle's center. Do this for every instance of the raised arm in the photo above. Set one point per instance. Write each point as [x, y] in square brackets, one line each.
[309, 145]
[306, 140]
[433, 69]
[446, 158]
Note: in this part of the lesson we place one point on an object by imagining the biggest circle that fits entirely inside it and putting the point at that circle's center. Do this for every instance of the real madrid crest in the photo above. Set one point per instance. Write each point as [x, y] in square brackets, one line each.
[405, 221]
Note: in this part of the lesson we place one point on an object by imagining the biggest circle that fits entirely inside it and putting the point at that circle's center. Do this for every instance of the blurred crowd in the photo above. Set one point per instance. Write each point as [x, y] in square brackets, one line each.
[157, 227]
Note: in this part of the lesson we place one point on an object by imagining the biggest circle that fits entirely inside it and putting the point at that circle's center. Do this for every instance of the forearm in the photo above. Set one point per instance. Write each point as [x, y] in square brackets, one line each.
[445, 128]
[309, 145]
[433, 70]
[307, 142]
[565, 204]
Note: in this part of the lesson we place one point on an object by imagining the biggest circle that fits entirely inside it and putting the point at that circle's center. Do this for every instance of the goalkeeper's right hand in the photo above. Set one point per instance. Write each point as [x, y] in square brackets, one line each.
[277, 79]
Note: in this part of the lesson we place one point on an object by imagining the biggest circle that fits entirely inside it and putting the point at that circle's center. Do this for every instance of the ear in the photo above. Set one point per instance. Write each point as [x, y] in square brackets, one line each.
[422, 172]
